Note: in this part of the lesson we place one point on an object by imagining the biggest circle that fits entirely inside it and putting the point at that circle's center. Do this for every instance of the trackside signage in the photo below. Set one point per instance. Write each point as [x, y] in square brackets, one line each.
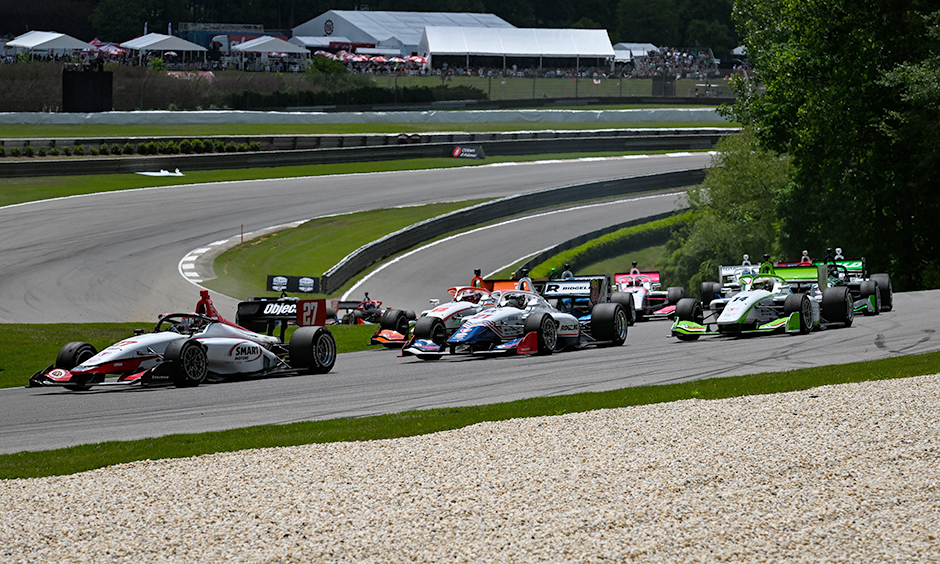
[468, 152]
[305, 284]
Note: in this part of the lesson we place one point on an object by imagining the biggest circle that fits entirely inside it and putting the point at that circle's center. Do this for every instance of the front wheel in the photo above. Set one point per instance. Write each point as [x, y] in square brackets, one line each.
[431, 329]
[72, 355]
[800, 303]
[866, 290]
[626, 300]
[396, 320]
[689, 309]
[312, 349]
[546, 330]
[188, 362]
[887, 290]
[838, 306]
[609, 323]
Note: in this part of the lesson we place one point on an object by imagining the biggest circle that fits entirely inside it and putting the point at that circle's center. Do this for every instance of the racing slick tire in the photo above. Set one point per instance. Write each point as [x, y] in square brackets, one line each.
[396, 320]
[887, 291]
[689, 309]
[545, 329]
[870, 288]
[72, 355]
[609, 323]
[187, 361]
[626, 300]
[838, 305]
[800, 303]
[312, 349]
[709, 291]
[432, 329]
[674, 294]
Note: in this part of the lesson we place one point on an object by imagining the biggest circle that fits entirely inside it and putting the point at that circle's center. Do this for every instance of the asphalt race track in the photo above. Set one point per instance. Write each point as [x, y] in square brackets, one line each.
[115, 257]
[376, 381]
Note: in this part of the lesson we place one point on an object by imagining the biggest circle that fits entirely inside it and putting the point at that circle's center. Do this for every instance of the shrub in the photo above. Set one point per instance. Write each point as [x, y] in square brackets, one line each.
[93, 151]
[254, 146]
[172, 148]
[153, 148]
[29, 151]
[218, 146]
[198, 146]
[67, 151]
[41, 151]
[242, 148]
[230, 147]
[186, 146]
[3, 151]
[128, 149]
[141, 148]
[104, 149]
[54, 151]
[15, 151]
[79, 150]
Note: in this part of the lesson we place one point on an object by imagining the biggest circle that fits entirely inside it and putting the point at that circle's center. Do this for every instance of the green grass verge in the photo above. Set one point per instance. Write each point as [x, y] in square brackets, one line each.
[410, 423]
[614, 244]
[24, 349]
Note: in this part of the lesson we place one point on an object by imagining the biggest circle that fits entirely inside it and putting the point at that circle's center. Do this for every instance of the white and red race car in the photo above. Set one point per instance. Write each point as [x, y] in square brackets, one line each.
[187, 349]
[649, 301]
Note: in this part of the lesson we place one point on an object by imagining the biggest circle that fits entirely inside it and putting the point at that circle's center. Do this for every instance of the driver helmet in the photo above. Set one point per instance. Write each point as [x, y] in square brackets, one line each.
[472, 296]
[517, 301]
[763, 284]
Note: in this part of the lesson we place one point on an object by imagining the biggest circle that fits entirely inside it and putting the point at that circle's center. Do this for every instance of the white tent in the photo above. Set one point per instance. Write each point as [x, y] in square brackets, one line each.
[625, 52]
[514, 42]
[48, 41]
[160, 42]
[269, 44]
[390, 30]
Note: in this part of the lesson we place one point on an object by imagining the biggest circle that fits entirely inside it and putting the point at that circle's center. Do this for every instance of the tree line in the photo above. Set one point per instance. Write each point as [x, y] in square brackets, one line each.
[841, 143]
[671, 23]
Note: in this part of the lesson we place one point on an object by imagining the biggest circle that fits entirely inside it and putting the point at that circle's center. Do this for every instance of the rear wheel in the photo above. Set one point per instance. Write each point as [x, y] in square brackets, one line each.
[609, 323]
[870, 288]
[710, 291]
[545, 329]
[838, 306]
[396, 320]
[187, 362]
[72, 355]
[312, 349]
[800, 303]
[887, 291]
[689, 309]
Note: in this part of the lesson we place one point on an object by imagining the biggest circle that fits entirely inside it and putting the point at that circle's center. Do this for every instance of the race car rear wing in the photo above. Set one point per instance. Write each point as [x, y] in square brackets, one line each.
[594, 288]
[803, 275]
[654, 277]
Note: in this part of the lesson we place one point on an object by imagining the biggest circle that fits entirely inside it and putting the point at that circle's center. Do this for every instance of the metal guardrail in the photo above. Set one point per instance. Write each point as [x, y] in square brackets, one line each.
[410, 236]
[331, 149]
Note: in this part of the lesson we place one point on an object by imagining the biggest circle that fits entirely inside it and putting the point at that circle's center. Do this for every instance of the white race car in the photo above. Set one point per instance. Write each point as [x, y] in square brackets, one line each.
[187, 349]
[524, 322]
[767, 303]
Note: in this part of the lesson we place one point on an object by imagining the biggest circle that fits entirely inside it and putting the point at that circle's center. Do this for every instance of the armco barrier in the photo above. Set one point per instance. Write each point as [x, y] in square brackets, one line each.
[396, 242]
[353, 148]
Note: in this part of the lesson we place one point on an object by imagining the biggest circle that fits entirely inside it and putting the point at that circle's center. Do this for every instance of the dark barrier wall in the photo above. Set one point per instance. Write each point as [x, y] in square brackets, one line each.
[406, 238]
[87, 91]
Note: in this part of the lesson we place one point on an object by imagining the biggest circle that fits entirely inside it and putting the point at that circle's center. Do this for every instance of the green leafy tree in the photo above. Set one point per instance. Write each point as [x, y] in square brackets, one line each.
[824, 95]
[734, 210]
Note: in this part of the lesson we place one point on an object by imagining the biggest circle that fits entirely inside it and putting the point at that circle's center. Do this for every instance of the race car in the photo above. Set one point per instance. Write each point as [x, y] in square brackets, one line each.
[768, 303]
[578, 295]
[187, 349]
[649, 301]
[872, 294]
[523, 322]
[441, 321]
